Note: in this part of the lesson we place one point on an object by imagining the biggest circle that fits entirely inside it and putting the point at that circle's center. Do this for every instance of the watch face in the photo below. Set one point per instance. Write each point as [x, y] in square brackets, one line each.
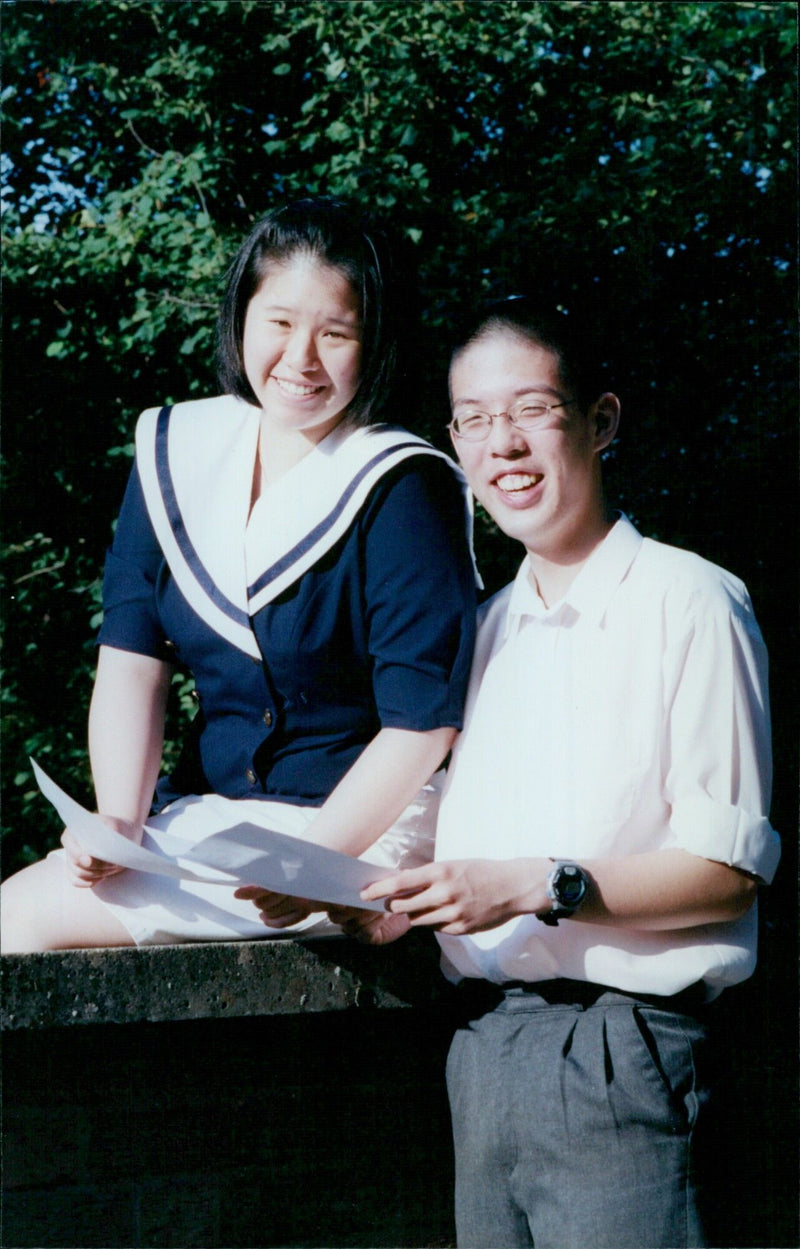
[569, 886]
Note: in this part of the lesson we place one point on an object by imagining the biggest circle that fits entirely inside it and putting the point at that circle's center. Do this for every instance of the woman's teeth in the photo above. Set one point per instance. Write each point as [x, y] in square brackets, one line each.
[292, 388]
[518, 481]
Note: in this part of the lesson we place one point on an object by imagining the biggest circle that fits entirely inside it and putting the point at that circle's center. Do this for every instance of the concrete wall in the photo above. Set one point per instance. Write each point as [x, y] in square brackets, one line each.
[272, 1093]
[291, 1094]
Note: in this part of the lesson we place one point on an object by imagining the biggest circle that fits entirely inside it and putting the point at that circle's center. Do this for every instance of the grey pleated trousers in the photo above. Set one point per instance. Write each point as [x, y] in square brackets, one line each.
[574, 1126]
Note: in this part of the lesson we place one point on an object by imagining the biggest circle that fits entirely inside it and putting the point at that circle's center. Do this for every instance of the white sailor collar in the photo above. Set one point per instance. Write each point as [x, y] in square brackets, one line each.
[196, 464]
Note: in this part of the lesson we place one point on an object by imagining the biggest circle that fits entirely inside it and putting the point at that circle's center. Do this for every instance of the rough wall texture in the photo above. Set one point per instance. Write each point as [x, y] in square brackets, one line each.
[310, 1130]
[216, 980]
[288, 1094]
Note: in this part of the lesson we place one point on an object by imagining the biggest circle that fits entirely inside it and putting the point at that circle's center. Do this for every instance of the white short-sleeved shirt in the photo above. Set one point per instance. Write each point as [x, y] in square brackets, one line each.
[631, 716]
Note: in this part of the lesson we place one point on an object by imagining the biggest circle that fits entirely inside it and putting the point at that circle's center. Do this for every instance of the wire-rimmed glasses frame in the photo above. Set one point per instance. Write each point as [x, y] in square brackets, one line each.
[475, 425]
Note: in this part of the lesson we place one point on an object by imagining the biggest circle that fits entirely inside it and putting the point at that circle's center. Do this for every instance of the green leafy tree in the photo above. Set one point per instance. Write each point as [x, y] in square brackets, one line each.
[631, 159]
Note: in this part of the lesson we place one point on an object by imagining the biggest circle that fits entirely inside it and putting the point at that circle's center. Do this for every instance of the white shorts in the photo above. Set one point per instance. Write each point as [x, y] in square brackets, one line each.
[162, 910]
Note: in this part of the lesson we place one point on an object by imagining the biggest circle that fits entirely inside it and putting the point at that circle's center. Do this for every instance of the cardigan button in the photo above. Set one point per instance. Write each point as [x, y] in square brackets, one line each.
[267, 717]
[251, 776]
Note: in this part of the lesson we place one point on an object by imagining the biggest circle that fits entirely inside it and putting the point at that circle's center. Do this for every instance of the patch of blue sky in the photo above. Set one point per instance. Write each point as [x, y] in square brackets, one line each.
[492, 129]
[6, 168]
[49, 196]
[547, 51]
[726, 250]
[761, 173]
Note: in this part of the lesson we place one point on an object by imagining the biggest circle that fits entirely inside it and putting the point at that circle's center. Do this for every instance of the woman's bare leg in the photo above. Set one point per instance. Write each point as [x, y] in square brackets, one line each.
[43, 910]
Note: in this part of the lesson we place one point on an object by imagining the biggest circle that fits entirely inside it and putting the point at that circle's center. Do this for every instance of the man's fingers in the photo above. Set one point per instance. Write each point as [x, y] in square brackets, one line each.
[381, 889]
[407, 882]
[410, 903]
[443, 919]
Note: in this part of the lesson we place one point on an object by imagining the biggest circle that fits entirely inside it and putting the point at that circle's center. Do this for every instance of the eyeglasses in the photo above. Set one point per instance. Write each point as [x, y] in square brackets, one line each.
[475, 426]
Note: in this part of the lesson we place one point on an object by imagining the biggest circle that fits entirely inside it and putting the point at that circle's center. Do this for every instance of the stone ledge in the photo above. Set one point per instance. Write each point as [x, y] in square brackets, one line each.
[217, 980]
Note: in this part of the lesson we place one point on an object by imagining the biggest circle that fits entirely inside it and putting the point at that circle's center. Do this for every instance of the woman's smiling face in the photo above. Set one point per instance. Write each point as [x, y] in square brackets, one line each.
[302, 345]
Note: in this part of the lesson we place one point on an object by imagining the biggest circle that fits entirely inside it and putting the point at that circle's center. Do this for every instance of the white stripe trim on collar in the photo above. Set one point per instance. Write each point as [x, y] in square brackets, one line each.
[196, 463]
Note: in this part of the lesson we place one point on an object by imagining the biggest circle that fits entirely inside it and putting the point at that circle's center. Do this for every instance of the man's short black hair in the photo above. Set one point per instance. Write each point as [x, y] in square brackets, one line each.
[337, 233]
[573, 343]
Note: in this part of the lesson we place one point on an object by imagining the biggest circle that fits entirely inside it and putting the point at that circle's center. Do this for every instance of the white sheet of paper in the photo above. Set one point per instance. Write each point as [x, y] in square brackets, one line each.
[243, 854]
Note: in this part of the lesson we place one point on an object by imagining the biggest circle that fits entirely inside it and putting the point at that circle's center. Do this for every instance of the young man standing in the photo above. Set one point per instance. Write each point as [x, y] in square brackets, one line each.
[603, 830]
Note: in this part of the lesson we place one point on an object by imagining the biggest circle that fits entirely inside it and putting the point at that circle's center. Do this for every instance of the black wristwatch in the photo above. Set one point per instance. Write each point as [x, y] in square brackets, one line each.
[566, 886]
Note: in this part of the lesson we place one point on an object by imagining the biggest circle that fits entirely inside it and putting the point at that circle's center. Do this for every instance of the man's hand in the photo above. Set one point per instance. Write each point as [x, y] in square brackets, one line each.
[460, 896]
[277, 910]
[658, 891]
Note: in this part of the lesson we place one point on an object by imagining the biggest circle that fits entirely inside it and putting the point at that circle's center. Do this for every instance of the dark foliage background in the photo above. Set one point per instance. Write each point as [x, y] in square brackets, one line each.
[632, 161]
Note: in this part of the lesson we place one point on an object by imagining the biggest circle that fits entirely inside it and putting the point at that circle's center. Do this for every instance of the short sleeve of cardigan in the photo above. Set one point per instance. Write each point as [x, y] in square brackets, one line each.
[133, 563]
[420, 597]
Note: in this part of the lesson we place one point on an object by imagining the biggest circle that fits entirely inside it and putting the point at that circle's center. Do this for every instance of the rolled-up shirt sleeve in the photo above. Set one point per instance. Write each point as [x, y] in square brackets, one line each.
[420, 598]
[719, 753]
[133, 563]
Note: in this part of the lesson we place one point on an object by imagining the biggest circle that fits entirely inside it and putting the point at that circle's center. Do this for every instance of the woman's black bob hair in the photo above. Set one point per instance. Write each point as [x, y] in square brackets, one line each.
[337, 233]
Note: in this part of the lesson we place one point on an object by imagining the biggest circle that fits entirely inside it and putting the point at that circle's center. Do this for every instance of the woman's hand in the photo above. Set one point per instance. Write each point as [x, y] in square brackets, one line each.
[277, 910]
[369, 927]
[83, 870]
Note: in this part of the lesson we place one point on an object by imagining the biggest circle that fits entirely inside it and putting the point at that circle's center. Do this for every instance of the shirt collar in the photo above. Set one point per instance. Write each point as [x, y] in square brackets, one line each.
[590, 592]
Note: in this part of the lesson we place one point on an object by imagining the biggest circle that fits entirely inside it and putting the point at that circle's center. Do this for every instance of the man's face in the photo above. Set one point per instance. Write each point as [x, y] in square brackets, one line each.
[541, 486]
